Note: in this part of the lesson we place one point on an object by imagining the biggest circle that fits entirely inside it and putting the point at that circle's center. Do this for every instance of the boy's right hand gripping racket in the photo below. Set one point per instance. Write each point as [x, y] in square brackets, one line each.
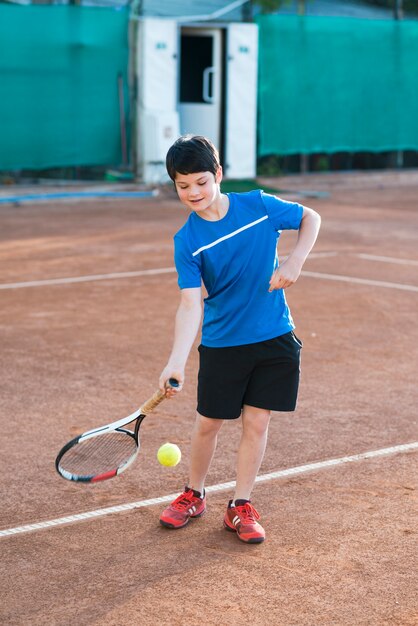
[105, 452]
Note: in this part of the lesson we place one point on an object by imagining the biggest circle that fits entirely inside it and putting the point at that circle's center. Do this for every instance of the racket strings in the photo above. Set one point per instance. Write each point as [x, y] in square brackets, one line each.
[100, 454]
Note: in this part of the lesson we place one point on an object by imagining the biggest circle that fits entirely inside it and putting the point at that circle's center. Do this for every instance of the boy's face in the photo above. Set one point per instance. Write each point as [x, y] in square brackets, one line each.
[198, 191]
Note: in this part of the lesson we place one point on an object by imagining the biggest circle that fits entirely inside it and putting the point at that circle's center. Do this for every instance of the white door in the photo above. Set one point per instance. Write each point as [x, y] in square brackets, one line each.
[157, 115]
[241, 101]
[157, 64]
[200, 83]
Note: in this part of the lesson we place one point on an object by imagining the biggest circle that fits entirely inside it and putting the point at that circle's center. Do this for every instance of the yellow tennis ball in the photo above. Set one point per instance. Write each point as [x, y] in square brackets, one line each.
[169, 454]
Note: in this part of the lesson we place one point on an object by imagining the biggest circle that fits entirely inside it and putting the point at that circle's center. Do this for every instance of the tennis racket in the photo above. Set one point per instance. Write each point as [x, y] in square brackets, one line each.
[105, 452]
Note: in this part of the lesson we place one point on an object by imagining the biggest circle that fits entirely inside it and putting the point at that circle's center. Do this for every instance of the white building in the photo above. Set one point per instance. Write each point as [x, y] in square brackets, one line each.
[196, 73]
[196, 65]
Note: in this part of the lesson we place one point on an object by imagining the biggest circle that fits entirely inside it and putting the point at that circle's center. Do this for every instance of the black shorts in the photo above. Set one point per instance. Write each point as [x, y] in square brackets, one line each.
[264, 375]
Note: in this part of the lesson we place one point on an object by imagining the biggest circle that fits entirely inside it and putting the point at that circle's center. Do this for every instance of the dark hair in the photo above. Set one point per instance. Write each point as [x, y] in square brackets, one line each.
[190, 154]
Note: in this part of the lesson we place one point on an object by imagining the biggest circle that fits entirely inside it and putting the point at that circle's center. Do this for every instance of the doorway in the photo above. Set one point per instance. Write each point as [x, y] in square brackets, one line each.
[200, 83]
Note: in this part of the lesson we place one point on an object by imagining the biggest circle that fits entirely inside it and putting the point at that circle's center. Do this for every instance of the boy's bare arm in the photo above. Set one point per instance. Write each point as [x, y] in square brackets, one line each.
[289, 271]
[187, 324]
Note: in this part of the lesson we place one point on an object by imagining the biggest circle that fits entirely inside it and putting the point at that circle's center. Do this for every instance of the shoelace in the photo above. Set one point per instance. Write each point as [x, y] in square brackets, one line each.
[183, 501]
[247, 513]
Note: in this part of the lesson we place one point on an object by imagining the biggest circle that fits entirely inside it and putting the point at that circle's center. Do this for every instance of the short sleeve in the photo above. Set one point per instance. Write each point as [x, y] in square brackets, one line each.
[188, 269]
[283, 215]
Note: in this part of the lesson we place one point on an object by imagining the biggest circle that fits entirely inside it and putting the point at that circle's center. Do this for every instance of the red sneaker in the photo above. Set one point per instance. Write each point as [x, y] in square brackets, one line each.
[242, 519]
[187, 505]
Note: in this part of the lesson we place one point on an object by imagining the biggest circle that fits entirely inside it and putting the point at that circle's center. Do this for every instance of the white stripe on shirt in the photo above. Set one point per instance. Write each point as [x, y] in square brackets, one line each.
[235, 232]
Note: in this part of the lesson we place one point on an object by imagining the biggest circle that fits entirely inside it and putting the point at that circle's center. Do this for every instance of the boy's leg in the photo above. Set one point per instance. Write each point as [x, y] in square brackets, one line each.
[192, 502]
[203, 446]
[255, 423]
[241, 517]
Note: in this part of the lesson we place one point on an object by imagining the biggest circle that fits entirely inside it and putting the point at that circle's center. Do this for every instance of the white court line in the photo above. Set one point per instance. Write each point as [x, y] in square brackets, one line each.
[322, 255]
[312, 255]
[385, 259]
[291, 471]
[86, 279]
[170, 270]
[360, 281]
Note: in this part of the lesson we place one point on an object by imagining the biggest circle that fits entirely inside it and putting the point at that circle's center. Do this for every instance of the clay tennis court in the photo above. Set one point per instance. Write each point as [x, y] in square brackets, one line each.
[338, 488]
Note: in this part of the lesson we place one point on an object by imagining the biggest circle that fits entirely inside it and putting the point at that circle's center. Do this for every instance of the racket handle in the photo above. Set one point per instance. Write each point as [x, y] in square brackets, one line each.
[158, 397]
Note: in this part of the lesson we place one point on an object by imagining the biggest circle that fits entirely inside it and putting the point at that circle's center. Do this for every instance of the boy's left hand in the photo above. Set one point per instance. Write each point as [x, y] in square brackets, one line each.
[286, 274]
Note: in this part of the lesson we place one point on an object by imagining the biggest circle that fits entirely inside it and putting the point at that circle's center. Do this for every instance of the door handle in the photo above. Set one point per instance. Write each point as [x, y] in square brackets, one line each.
[208, 94]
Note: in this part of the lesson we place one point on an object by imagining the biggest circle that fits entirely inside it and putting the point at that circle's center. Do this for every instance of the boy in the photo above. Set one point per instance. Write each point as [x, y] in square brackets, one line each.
[249, 355]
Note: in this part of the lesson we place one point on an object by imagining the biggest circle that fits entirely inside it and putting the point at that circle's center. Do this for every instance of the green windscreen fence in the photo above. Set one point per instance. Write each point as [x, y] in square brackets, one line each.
[59, 98]
[335, 84]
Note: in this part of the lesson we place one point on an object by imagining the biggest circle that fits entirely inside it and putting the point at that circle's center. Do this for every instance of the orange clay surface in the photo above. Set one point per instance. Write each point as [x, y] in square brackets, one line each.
[341, 544]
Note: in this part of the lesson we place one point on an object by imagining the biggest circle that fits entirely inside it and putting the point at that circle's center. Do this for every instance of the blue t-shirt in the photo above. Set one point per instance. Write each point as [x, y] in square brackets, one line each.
[235, 258]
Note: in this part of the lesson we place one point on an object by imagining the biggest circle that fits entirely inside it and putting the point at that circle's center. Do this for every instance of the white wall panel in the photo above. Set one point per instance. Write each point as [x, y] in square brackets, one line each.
[241, 101]
[157, 64]
[158, 120]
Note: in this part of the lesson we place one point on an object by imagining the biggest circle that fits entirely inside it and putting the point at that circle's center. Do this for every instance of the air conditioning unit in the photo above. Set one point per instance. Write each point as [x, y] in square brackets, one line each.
[157, 132]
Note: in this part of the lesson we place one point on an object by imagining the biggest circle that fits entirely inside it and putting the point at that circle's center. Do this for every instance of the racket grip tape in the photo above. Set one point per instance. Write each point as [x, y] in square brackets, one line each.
[156, 398]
